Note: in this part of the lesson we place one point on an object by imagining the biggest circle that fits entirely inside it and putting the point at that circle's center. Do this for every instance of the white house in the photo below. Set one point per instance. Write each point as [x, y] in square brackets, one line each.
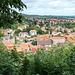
[56, 40]
[55, 33]
[21, 38]
[33, 32]
[23, 34]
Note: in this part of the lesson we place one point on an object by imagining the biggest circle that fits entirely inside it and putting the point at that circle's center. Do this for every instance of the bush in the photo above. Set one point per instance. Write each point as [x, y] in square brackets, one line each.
[59, 61]
[34, 43]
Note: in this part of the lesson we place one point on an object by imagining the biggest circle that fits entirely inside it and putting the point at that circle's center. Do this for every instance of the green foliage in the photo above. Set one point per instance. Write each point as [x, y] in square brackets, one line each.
[7, 14]
[17, 31]
[1, 34]
[34, 43]
[25, 66]
[2, 47]
[68, 25]
[59, 61]
[15, 41]
[57, 30]
[7, 66]
[41, 24]
[65, 31]
[39, 31]
[73, 31]
[51, 31]
[28, 29]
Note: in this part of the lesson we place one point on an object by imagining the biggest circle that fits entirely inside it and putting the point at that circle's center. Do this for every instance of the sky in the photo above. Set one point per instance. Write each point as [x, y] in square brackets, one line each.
[50, 7]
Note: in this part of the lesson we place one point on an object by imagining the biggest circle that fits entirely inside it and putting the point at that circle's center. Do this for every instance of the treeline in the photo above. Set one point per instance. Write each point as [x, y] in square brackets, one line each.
[69, 25]
[60, 60]
[66, 25]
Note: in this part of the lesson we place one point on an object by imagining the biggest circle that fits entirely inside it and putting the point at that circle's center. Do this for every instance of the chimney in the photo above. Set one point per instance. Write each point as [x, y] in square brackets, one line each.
[29, 48]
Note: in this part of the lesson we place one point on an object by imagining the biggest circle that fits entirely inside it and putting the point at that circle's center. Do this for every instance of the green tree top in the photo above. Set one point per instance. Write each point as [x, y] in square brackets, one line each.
[9, 15]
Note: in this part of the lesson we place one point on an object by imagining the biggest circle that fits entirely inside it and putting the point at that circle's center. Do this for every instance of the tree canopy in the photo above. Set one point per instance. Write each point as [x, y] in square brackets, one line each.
[60, 60]
[8, 14]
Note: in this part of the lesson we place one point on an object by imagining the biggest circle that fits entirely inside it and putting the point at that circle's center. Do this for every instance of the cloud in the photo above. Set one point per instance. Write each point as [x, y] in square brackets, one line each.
[50, 7]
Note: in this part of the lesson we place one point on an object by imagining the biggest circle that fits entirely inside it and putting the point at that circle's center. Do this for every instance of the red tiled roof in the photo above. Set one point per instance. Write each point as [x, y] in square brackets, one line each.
[33, 30]
[33, 49]
[57, 38]
[69, 39]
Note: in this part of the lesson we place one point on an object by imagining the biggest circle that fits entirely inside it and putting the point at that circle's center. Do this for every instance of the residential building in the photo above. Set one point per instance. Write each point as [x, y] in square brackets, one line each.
[23, 34]
[9, 46]
[56, 40]
[23, 27]
[33, 32]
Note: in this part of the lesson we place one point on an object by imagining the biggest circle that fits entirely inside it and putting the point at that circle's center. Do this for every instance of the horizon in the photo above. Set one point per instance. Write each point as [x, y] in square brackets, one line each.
[50, 15]
[50, 7]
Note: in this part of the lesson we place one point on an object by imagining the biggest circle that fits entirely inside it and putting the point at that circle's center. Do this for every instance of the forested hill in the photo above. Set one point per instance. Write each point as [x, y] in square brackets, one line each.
[50, 16]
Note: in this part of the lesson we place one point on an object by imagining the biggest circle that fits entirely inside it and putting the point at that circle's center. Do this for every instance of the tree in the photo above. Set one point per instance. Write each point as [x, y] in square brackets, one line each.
[7, 65]
[25, 66]
[2, 46]
[65, 31]
[34, 42]
[1, 34]
[57, 30]
[7, 14]
[39, 31]
[17, 31]
[15, 41]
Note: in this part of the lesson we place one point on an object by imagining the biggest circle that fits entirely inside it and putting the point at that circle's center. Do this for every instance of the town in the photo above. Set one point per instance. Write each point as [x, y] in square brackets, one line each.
[39, 33]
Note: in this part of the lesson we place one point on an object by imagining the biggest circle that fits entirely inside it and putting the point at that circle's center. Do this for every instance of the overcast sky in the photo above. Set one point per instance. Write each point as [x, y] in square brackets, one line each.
[50, 7]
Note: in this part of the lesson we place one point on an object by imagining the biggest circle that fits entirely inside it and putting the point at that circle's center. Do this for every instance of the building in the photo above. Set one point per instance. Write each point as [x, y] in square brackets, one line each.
[43, 29]
[46, 43]
[25, 48]
[48, 40]
[23, 34]
[55, 33]
[7, 31]
[23, 27]
[9, 46]
[33, 32]
[56, 40]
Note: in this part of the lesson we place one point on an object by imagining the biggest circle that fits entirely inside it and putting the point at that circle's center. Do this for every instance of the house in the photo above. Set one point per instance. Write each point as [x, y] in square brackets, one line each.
[21, 38]
[6, 31]
[70, 40]
[56, 40]
[33, 50]
[23, 34]
[43, 29]
[37, 25]
[28, 48]
[8, 40]
[9, 46]
[23, 27]
[25, 48]
[44, 40]
[33, 32]
[17, 38]
[48, 40]
[35, 38]
[46, 43]
[55, 33]
[68, 30]
[61, 34]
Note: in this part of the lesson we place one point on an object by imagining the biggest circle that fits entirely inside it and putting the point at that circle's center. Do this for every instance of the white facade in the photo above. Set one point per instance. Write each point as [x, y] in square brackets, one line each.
[56, 33]
[23, 34]
[33, 33]
[55, 41]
